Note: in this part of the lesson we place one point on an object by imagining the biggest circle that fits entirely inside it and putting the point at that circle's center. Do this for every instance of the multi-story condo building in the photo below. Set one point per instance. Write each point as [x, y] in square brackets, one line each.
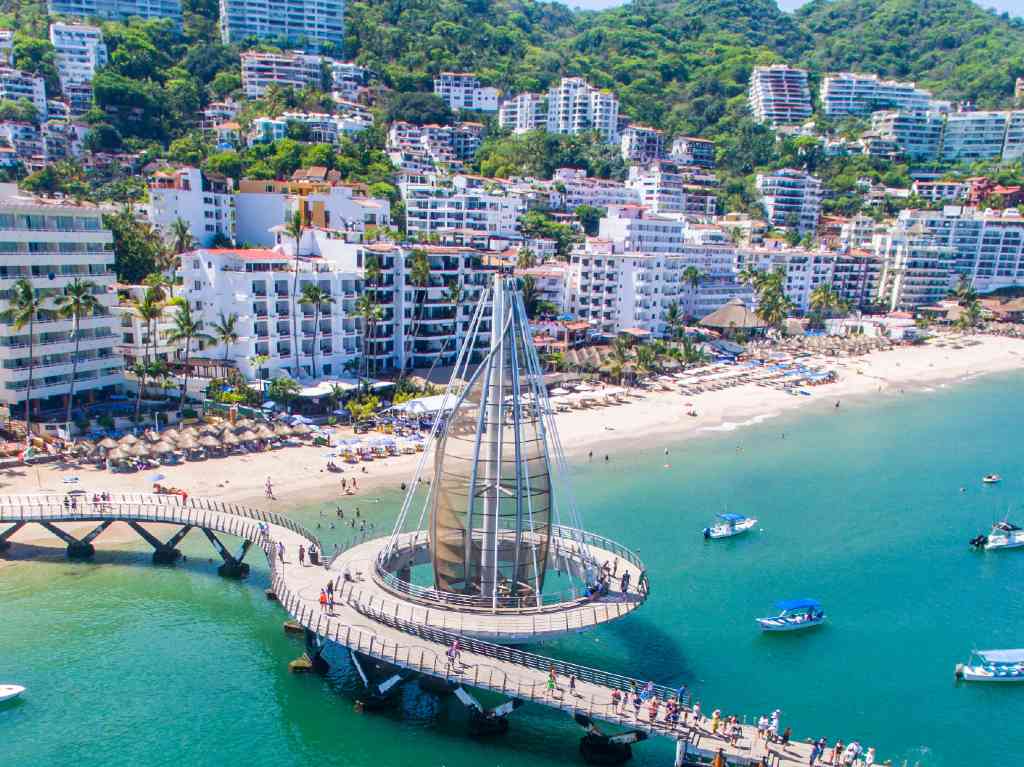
[972, 136]
[687, 150]
[571, 187]
[320, 198]
[135, 342]
[854, 276]
[441, 143]
[51, 243]
[917, 134]
[849, 93]
[16, 85]
[348, 79]
[916, 271]
[205, 201]
[987, 246]
[666, 188]
[524, 113]
[462, 90]
[79, 98]
[939, 191]
[857, 233]
[309, 24]
[80, 52]
[791, 198]
[575, 107]
[315, 127]
[118, 10]
[6, 47]
[471, 203]
[217, 113]
[285, 70]
[779, 95]
[642, 144]
[551, 283]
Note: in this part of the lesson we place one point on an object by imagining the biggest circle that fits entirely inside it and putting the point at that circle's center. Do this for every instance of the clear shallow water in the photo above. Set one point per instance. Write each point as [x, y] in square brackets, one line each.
[859, 507]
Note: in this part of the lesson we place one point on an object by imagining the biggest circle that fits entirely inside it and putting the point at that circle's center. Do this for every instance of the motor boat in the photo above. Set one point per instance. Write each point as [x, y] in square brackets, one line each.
[991, 479]
[1004, 535]
[992, 666]
[10, 691]
[728, 526]
[794, 615]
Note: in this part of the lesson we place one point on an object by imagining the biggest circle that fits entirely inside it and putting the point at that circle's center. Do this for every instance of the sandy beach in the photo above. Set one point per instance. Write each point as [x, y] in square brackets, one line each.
[299, 476]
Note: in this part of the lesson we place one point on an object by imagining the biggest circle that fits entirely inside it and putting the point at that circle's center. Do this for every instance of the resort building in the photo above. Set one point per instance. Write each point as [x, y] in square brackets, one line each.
[312, 127]
[854, 275]
[434, 205]
[687, 150]
[6, 47]
[135, 343]
[641, 144]
[431, 145]
[849, 93]
[285, 70]
[80, 52]
[308, 24]
[571, 187]
[666, 188]
[915, 270]
[118, 10]
[348, 79]
[858, 232]
[918, 134]
[205, 201]
[972, 136]
[462, 90]
[550, 283]
[791, 198]
[52, 242]
[16, 85]
[939, 191]
[779, 95]
[523, 113]
[576, 107]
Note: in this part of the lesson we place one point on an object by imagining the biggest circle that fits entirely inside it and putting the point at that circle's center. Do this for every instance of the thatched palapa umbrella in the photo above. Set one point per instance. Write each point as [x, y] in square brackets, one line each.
[248, 436]
[117, 454]
[140, 450]
[230, 439]
[162, 448]
[208, 440]
[108, 443]
[282, 429]
[128, 439]
[264, 432]
[301, 429]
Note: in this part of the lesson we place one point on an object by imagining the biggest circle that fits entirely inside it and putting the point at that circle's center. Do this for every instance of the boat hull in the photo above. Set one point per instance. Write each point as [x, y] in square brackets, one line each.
[726, 531]
[778, 625]
[982, 674]
[10, 691]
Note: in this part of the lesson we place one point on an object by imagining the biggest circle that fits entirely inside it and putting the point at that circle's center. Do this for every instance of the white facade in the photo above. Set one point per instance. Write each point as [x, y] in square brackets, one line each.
[849, 93]
[917, 134]
[16, 85]
[6, 47]
[462, 90]
[915, 270]
[348, 78]
[524, 113]
[205, 203]
[791, 199]
[576, 107]
[50, 243]
[939, 191]
[571, 187]
[854, 276]
[285, 70]
[779, 95]
[118, 10]
[641, 144]
[80, 51]
[309, 24]
[551, 283]
[858, 232]
[134, 341]
[468, 203]
[970, 136]
[665, 188]
[687, 150]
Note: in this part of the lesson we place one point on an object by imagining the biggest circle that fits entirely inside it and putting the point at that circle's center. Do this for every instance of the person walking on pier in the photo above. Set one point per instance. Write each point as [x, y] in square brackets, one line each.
[269, 489]
[302, 555]
[572, 685]
[453, 654]
[323, 600]
[280, 551]
[837, 751]
[616, 700]
[816, 750]
[716, 719]
[697, 719]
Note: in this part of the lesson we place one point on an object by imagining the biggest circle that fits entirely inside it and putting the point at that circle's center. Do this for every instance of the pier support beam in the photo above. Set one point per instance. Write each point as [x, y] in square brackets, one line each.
[233, 566]
[78, 548]
[598, 748]
[378, 694]
[486, 721]
[5, 536]
[312, 659]
[163, 553]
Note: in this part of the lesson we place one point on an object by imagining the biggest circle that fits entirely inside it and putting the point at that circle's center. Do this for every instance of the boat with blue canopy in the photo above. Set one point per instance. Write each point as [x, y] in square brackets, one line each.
[728, 526]
[794, 615]
[992, 666]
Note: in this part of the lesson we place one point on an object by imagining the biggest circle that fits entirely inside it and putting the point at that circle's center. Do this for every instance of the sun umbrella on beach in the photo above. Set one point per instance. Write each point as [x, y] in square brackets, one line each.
[248, 436]
[162, 448]
[208, 440]
[244, 423]
[230, 439]
[139, 450]
[185, 442]
[151, 437]
[301, 429]
[190, 431]
[117, 454]
[107, 443]
[128, 439]
[264, 432]
[170, 435]
[282, 429]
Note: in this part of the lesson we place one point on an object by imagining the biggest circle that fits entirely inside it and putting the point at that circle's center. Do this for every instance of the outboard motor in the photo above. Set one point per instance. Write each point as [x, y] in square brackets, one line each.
[707, 533]
[979, 541]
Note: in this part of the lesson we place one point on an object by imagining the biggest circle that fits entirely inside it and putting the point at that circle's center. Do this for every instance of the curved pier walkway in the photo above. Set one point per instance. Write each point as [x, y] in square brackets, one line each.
[373, 624]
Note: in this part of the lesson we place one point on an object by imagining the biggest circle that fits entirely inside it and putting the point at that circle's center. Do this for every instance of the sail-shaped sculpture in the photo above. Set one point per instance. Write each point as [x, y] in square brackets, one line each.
[491, 505]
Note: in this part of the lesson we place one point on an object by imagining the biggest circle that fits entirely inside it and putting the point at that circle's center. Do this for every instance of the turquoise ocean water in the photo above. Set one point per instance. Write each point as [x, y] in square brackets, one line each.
[128, 664]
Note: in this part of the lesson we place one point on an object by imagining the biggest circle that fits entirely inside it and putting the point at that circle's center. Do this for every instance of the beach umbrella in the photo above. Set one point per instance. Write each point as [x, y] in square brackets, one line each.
[301, 429]
[230, 439]
[208, 440]
[108, 443]
[162, 448]
[151, 437]
[190, 431]
[117, 454]
[282, 429]
[172, 435]
[139, 450]
[248, 436]
[210, 430]
[264, 431]
[186, 442]
[128, 439]
[244, 423]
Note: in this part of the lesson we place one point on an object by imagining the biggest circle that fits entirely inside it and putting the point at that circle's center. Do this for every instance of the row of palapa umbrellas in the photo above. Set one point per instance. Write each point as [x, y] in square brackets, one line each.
[209, 435]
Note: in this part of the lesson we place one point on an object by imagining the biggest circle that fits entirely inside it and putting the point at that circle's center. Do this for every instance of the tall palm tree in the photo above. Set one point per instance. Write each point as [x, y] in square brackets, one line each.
[181, 239]
[186, 329]
[23, 307]
[673, 318]
[149, 308]
[225, 331]
[525, 259]
[749, 275]
[773, 305]
[692, 276]
[419, 276]
[79, 300]
[161, 283]
[371, 314]
[318, 298]
[294, 229]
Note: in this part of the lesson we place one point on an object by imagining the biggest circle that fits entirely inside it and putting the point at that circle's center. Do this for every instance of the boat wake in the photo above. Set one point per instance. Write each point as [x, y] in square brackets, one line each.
[734, 425]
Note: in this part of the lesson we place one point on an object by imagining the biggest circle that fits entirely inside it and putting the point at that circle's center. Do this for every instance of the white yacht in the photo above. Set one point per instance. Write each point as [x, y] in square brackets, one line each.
[1004, 535]
[728, 526]
[992, 666]
[794, 615]
[10, 691]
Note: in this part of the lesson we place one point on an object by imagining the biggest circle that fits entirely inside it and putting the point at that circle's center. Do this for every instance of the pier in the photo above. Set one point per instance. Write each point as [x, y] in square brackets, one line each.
[410, 637]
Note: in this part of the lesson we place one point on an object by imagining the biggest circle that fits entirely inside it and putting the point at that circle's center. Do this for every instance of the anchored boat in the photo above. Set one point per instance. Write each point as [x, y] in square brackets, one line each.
[991, 479]
[10, 691]
[794, 615]
[1004, 535]
[730, 525]
[992, 666]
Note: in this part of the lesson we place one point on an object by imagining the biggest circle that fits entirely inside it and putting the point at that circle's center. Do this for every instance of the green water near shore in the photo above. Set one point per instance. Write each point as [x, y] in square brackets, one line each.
[860, 507]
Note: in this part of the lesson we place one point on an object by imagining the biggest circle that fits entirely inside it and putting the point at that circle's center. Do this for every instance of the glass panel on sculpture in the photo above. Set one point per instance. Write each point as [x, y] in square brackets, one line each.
[491, 508]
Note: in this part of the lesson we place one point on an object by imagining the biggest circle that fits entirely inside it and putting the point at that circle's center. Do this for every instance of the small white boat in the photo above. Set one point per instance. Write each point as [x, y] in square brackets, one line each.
[991, 479]
[10, 691]
[794, 615]
[992, 666]
[1004, 535]
[730, 525]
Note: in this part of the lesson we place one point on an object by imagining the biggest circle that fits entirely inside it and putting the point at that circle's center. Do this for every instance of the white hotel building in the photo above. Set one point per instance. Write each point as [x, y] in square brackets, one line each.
[574, 107]
[571, 187]
[849, 93]
[52, 242]
[855, 276]
[80, 52]
[307, 23]
[468, 203]
[285, 70]
[16, 85]
[667, 188]
[118, 10]
[779, 95]
[792, 199]
[462, 90]
[205, 202]
[524, 113]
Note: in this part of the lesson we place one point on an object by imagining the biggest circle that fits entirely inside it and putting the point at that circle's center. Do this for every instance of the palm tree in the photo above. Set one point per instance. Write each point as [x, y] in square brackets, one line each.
[181, 237]
[23, 306]
[773, 305]
[525, 259]
[370, 314]
[673, 318]
[160, 282]
[692, 276]
[294, 229]
[964, 291]
[149, 308]
[225, 331]
[749, 275]
[318, 298]
[79, 300]
[186, 329]
[419, 276]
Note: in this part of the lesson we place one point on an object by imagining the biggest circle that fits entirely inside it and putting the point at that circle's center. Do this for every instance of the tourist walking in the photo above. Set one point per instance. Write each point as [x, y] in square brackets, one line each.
[716, 719]
[280, 551]
[762, 727]
[453, 653]
[837, 753]
[269, 489]
[786, 735]
[302, 555]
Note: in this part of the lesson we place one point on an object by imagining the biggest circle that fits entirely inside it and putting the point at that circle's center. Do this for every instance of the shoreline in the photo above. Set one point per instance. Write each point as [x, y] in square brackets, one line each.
[648, 420]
